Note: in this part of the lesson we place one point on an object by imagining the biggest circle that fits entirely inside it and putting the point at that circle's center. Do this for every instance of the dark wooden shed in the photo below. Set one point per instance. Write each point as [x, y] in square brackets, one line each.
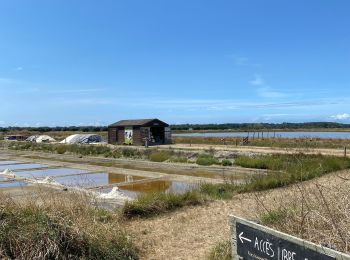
[136, 132]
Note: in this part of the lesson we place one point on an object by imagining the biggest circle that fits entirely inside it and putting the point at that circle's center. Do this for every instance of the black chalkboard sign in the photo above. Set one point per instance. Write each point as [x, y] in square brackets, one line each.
[256, 244]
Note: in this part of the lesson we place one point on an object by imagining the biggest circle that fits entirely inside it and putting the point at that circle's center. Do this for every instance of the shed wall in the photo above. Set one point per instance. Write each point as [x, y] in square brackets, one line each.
[137, 138]
[112, 135]
[120, 135]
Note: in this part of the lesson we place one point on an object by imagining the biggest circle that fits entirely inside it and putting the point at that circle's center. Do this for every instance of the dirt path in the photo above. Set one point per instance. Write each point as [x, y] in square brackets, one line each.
[191, 233]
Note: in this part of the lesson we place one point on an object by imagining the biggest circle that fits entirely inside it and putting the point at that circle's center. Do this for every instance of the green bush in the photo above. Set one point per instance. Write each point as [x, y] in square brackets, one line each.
[226, 162]
[128, 152]
[148, 205]
[206, 160]
[218, 191]
[159, 156]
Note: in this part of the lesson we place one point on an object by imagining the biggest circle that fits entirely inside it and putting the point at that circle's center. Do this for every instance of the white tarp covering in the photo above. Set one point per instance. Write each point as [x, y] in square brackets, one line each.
[83, 139]
[8, 172]
[40, 139]
[113, 194]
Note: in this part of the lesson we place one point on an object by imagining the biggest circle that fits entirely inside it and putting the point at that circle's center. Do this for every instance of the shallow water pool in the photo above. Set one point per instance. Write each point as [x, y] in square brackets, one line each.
[22, 166]
[96, 179]
[8, 162]
[166, 186]
[49, 172]
[2, 178]
[12, 184]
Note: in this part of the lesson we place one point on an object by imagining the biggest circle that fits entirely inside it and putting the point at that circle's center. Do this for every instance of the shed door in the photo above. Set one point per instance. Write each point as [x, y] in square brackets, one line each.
[128, 135]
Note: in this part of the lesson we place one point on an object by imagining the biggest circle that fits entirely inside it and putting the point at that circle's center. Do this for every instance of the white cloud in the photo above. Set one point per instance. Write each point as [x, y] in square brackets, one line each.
[18, 68]
[2, 122]
[257, 81]
[341, 116]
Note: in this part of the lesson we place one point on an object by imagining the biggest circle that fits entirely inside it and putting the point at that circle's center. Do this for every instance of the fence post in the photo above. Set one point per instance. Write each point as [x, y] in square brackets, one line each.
[345, 151]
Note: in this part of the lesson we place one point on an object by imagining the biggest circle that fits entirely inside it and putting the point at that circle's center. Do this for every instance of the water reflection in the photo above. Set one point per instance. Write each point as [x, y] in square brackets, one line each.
[22, 166]
[49, 172]
[95, 179]
[7, 162]
[165, 186]
[12, 184]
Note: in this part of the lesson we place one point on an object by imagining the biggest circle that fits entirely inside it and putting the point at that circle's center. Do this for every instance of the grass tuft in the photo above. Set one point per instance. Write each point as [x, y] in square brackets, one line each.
[61, 228]
[206, 160]
[289, 169]
[218, 191]
[153, 204]
[221, 251]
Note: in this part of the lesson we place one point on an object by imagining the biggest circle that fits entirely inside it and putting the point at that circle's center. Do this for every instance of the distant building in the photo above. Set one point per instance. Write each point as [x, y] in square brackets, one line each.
[15, 138]
[139, 131]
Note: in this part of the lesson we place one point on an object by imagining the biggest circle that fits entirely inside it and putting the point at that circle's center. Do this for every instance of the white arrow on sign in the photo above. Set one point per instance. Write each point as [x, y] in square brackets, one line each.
[241, 237]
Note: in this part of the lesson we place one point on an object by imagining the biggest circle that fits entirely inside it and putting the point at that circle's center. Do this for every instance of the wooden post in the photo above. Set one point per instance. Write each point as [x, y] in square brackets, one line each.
[345, 151]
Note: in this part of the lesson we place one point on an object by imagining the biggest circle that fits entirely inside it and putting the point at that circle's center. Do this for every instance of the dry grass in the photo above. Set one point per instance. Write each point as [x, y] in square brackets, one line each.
[61, 226]
[318, 212]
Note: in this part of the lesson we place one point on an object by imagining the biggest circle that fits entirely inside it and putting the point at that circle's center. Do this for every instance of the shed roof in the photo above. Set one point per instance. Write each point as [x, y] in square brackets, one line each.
[139, 122]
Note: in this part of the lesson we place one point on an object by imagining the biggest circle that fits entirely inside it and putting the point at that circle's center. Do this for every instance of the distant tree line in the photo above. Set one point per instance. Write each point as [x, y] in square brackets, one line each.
[259, 126]
[228, 126]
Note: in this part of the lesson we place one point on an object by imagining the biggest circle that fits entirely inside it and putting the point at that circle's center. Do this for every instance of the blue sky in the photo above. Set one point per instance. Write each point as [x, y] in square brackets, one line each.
[66, 62]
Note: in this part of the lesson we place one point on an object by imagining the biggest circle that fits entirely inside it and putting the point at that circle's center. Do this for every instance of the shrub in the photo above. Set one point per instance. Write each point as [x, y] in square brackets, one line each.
[159, 156]
[61, 149]
[226, 162]
[152, 204]
[128, 152]
[206, 160]
[116, 153]
[218, 191]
